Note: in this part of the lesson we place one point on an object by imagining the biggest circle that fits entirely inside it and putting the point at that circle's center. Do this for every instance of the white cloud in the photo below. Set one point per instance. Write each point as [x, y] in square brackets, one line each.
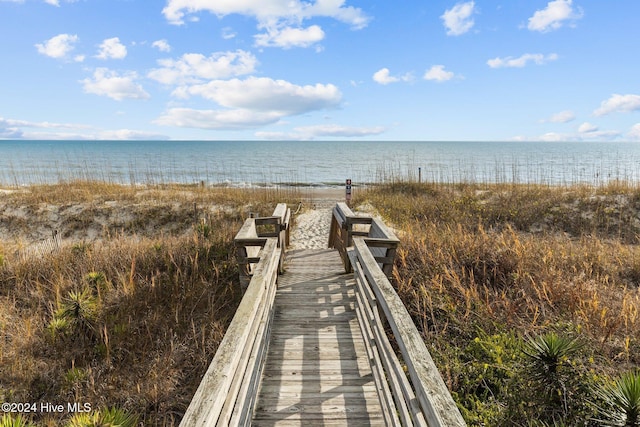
[322, 131]
[108, 83]
[553, 16]
[112, 49]
[161, 45]
[237, 119]
[41, 125]
[128, 135]
[618, 103]
[562, 117]
[339, 131]
[586, 132]
[457, 20]
[268, 12]
[51, 2]
[24, 129]
[384, 77]
[603, 135]
[265, 94]
[250, 103]
[511, 62]
[634, 133]
[9, 130]
[195, 67]
[438, 74]
[58, 46]
[587, 127]
[281, 20]
[552, 137]
[289, 37]
[228, 33]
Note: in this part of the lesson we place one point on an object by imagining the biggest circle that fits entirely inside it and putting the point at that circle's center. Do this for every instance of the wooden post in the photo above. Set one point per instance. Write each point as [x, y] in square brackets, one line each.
[419, 175]
[348, 191]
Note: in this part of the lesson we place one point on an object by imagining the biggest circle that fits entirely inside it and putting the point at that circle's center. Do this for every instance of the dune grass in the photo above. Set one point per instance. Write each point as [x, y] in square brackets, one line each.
[527, 295]
[486, 269]
[126, 319]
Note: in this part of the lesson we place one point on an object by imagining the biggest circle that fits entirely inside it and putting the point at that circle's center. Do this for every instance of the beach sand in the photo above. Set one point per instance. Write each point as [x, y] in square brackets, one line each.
[312, 223]
[29, 224]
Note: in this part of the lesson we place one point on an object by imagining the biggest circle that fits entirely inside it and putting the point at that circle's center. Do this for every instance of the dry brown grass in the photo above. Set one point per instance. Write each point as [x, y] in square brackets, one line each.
[129, 317]
[480, 261]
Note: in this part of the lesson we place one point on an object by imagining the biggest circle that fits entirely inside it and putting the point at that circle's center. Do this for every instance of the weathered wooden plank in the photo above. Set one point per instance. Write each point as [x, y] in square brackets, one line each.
[403, 395]
[317, 418]
[384, 394]
[316, 361]
[321, 405]
[380, 230]
[211, 395]
[243, 409]
[248, 230]
[327, 381]
[323, 389]
[325, 423]
[436, 401]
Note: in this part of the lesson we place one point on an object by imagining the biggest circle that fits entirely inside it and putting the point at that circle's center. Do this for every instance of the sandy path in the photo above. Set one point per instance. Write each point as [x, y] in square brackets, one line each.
[311, 229]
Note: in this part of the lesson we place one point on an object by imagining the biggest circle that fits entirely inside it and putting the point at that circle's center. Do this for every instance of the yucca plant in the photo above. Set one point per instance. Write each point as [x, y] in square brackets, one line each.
[621, 401]
[8, 420]
[548, 354]
[110, 417]
[550, 373]
[79, 310]
[57, 328]
[96, 280]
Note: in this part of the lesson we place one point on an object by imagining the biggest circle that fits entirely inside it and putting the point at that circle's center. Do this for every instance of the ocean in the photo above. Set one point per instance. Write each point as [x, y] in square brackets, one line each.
[315, 163]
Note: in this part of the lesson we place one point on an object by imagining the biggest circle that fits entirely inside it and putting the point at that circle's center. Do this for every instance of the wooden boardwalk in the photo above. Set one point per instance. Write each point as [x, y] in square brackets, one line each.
[321, 340]
[316, 371]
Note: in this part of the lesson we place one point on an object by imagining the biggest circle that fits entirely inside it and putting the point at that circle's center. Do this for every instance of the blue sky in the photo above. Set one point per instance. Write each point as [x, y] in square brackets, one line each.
[521, 70]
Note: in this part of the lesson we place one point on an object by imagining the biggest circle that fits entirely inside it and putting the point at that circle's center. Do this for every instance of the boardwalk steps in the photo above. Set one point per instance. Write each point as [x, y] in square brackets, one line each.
[308, 345]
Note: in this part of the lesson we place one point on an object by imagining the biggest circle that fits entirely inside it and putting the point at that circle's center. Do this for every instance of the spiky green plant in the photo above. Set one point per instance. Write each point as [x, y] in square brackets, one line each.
[550, 373]
[96, 279]
[109, 417]
[57, 328]
[549, 352]
[622, 401]
[79, 309]
[8, 420]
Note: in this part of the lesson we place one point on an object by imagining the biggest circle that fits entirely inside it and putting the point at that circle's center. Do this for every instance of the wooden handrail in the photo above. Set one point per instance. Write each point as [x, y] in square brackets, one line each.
[251, 237]
[226, 396]
[345, 225]
[228, 389]
[424, 399]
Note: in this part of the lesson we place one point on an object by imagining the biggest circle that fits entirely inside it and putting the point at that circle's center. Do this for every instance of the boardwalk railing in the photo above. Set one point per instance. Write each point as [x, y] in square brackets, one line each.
[228, 392]
[345, 225]
[253, 236]
[421, 398]
[226, 396]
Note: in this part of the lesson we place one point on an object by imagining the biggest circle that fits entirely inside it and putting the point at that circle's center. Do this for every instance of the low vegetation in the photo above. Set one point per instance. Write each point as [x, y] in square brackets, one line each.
[123, 317]
[526, 295]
